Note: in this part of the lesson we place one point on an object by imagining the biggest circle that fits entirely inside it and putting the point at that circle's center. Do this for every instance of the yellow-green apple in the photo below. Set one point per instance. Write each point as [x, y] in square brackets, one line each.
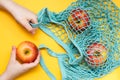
[27, 52]
[79, 19]
[96, 54]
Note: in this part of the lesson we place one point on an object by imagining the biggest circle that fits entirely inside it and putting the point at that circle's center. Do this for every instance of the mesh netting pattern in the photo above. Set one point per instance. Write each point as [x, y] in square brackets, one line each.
[89, 31]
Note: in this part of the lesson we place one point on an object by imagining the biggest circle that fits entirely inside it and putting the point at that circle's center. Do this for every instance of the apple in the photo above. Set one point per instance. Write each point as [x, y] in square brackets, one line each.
[79, 19]
[96, 54]
[27, 52]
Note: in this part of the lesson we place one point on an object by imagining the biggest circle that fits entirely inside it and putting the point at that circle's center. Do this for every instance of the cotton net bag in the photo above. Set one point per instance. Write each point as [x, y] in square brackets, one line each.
[89, 31]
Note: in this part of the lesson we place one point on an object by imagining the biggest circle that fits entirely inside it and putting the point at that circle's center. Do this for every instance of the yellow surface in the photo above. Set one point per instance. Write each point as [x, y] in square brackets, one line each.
[11, 33]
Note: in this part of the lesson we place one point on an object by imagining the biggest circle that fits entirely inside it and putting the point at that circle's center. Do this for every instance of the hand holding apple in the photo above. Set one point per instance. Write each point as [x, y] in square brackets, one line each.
[27, 52]
[15, 69]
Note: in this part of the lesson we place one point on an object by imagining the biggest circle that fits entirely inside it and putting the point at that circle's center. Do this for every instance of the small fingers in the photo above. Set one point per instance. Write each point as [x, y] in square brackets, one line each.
[33, 64]
[34, 20]
[37, 60]
[27, 25]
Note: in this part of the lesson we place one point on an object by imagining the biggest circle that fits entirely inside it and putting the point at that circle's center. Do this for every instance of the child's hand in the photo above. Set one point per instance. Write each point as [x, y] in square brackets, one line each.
[21, 14]
[14, 68]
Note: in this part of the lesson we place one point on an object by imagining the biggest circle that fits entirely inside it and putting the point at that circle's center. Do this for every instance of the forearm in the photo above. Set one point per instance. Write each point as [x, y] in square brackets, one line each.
[5, 76]
[8, 5]
[5, 3]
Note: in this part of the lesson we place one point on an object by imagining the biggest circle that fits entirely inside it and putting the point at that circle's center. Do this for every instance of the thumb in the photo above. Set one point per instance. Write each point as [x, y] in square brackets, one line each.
[13, 54]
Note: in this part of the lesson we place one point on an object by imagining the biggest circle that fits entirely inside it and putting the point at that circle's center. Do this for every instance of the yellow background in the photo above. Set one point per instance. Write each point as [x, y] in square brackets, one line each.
[11, 33]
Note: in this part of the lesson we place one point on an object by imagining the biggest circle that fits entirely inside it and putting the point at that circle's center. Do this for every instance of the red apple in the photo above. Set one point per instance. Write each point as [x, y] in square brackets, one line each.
[27, 52]
[97, 54]
[78, 19]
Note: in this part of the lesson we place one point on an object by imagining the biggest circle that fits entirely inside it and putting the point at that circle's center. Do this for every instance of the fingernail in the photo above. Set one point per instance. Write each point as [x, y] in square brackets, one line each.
[33, 32]
[13, 47]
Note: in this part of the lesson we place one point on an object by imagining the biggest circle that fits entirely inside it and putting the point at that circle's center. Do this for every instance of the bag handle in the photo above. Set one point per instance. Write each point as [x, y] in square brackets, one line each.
[42, 63]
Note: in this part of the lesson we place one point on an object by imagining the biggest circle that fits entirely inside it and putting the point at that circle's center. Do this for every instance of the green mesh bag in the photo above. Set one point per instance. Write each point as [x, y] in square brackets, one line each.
[89, 32]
